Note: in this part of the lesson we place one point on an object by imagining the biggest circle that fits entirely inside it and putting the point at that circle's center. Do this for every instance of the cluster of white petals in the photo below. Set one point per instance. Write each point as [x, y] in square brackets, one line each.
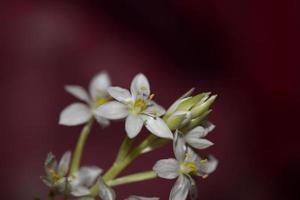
[104, 102]
[184, 166]
[79, 113]
[137, 107]
[77, 185]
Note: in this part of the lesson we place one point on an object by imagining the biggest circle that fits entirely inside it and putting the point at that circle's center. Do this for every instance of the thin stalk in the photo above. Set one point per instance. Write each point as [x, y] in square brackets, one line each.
[80, 146]
[117, 167]
[132, 178]
[124, 148]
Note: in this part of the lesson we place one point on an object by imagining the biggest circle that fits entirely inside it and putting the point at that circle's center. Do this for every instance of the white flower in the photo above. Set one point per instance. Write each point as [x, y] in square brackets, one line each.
[76, 185]
[56, 172]
[81, 182]
[195, 136]
[80, 113]
[105, 192]
[137, 107]
[186, 165]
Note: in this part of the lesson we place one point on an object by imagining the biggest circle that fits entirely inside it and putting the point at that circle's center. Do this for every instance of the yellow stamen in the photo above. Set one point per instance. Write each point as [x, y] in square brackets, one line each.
[54, 176]
[100, 101]
[189, 168]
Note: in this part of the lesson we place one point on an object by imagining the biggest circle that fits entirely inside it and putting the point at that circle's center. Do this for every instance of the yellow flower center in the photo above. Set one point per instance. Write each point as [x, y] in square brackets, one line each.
[138, 106]
[54, 175]
[189, 168]
[100, 101]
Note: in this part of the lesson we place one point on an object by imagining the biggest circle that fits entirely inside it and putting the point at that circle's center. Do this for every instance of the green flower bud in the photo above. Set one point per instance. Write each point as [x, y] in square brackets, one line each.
[195, 122]
[188, 111]
[190, 102]
[202, 107]
[175, 120]
[174, 106]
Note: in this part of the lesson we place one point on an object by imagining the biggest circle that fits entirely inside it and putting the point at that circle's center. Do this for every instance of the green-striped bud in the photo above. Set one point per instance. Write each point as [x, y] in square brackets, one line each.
[202, 107]
[188, 111]
[195, 122]
[175, 120]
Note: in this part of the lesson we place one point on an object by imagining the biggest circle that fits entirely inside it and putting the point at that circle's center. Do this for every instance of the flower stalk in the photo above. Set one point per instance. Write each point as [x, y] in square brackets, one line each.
[80, 146]
[132, 178]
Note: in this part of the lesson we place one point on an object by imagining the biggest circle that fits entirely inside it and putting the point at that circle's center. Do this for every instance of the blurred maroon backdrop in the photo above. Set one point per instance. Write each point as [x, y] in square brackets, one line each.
[245, 51]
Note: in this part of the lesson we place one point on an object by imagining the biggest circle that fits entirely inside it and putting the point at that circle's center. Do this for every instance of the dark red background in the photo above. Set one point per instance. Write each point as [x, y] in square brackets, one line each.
[245, 51]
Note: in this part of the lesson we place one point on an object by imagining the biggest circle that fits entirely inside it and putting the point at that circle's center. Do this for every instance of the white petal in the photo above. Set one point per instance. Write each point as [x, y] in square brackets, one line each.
[88, 175]
[46, 180]
[208, 167]
[120, 94]
[105, 192]
[159, 128]
[179, 146]
[181, 189]
[75, 114]
[79, 191]
[167, 168]
[112, 110]
[99, 84]
[155, 110]
[141, 198]
[140, 87]
[50, 162]
[196, 132]
[64, 163]
[133, 125]
[209, 126]
[199, 143]
[192, 156]
[102, 121]
[78, 92]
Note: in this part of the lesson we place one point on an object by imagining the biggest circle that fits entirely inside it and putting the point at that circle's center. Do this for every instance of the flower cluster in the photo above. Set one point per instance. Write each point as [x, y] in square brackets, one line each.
[184, 124]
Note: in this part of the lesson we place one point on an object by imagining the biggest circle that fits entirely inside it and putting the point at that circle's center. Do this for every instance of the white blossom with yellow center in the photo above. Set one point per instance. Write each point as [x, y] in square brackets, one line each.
[80, 113]
[137, 107]
[186, 165]
[77, 185]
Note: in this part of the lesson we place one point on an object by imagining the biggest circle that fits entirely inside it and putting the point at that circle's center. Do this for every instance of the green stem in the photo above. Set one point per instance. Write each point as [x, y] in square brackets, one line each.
[79, 147]
[121, 163]
[132, 178]
[118, 166]
[124, 148]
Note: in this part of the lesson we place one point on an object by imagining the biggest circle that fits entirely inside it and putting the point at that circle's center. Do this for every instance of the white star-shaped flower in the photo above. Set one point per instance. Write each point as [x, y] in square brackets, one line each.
[77, 185]
[80, 113]
[186, 165]
[137, 107]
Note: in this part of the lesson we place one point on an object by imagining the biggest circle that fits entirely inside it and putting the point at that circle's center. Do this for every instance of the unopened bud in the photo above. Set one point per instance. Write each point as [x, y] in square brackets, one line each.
[195, 122]
[175, 120]
[202, 107]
